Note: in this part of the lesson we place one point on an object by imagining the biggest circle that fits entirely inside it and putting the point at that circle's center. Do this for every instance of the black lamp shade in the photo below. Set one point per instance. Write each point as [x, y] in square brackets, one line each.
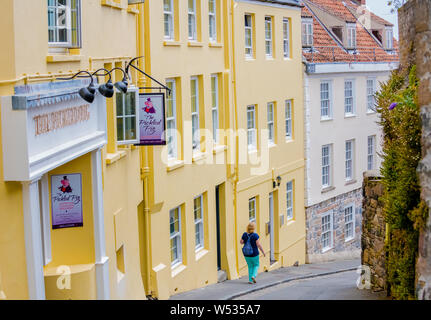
[86, 94]
[107, 89]
[92, 88]
[122, 85]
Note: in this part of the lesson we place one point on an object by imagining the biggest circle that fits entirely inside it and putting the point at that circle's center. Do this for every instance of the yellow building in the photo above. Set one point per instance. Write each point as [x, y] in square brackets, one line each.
[152, 220]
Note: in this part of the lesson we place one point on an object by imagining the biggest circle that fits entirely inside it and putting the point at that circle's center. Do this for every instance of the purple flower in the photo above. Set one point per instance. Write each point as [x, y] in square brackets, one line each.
[393, 105]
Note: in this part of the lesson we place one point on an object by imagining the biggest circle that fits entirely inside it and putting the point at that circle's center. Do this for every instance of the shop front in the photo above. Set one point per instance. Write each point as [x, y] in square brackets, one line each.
[52, 141]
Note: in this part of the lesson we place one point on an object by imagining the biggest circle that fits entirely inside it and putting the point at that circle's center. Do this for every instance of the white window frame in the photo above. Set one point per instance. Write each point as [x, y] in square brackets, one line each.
[288, 119]
[249, 52]
[327, 228]
[326, 163]
[253, 202]
[192, 21]
[176, 234]
[212, 21]
[371, 152]
[307, 32]
[251, 130]
[327, 99]
[349, 159]
[349, 221]
[268, 37]
[171, 83]
[286, 38]
[289, 200]
[135, 91]
[199, 223]
[215, 108]
[271, 122]
[68, 25]
[389, 38]
[195, 114]
[351, 35]
[169, 19]
[349, 94]
[371, 91]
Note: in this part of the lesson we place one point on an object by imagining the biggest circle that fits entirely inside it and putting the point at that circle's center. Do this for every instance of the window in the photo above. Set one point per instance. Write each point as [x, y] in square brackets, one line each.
[251, 128]
[325, 100]
[127, 121]
[289, 200]
[307, 32]
[349, 100]
[199, 222]
[338, 31]
[389, 38]
[192, 20]
[168, 11]
[268, 36]
[286, 37]
[175, 236]
[214, 107]
[288, 116]
[64, 23]
[248, 35]
[270, 117]
[194, 86]
[371, 89]
[351, 35]
[212, 16]
[327, 232]
[326, 166]
[252, 209]
[171, 120]
[370, 152]
[349, 159]
[349, 222]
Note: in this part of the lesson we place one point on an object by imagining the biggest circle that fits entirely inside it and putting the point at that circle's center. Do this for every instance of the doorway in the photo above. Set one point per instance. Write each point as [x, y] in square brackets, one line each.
[271, 227]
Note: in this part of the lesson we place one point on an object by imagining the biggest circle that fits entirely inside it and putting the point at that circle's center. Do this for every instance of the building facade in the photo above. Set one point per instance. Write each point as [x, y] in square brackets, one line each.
[349, 51]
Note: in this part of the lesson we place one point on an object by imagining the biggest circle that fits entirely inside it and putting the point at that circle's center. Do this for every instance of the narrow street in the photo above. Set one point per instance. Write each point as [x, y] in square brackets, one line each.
[339, 286]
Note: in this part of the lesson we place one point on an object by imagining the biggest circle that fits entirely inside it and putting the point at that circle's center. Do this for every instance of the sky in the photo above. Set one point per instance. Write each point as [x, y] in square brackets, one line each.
[381, 8]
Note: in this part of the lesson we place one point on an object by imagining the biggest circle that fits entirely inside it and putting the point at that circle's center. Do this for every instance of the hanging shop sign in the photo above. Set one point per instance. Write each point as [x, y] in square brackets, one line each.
[152, 119]
[66, 198]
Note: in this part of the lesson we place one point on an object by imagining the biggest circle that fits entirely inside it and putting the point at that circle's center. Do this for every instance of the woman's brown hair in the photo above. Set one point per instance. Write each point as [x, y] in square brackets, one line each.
[251, 227]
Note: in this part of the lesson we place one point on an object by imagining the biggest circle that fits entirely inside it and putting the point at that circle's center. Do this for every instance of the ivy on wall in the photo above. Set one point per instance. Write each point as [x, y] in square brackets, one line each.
[404, 211]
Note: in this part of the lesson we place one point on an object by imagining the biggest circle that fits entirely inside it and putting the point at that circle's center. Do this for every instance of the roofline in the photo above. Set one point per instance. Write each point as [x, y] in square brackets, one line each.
[281, 3]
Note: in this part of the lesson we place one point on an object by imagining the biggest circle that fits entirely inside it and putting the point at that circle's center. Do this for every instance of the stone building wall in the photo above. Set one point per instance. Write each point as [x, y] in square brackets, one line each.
[415, 46]
[373, 230]
[341, 248]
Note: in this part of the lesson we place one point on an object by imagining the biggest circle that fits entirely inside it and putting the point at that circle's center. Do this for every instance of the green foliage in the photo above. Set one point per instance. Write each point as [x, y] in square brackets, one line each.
[404, 212]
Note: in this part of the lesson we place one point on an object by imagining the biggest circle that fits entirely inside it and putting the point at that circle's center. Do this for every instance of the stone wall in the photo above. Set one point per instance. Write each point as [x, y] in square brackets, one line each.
[373, 230]
[415, 47]
[341, 248]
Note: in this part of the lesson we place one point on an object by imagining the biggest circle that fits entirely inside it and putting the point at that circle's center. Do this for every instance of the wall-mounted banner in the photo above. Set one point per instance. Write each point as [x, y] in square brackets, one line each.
[66, 199]
[152, 119]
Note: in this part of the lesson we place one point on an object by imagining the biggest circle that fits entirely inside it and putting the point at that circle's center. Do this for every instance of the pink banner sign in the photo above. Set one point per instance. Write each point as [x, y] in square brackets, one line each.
[152, 119]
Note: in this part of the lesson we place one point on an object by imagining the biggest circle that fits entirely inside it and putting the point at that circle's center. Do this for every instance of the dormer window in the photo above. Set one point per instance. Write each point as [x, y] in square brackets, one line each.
[389, 38]
[307, 32]
[338, 31]
[351, 35]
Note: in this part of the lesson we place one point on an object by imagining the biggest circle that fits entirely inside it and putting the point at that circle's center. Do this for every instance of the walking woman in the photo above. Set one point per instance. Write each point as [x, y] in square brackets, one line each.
[251, 252]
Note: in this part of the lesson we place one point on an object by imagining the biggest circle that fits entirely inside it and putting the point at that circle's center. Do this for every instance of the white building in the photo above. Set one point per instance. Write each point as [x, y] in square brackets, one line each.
[347, 54]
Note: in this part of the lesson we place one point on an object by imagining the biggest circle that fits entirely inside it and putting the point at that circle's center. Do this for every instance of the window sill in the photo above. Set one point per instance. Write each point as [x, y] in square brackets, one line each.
[288, 140]
[174, 164]
[215, 45]
[250, 151]
[248, 58]
[218, 149]
[270, 58]
[327, 189]
[350, 115]
[171, 43]
[195, 44]
[271, 145]
[326, 249]
[200, 253]
[63, 58]
[290, 222]
[371, 112]
[197, 155]
[132, 10]
[177, 269]
[349, 182]
[325, 119]
[349, 239]
[111, 4]
[114, 157]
